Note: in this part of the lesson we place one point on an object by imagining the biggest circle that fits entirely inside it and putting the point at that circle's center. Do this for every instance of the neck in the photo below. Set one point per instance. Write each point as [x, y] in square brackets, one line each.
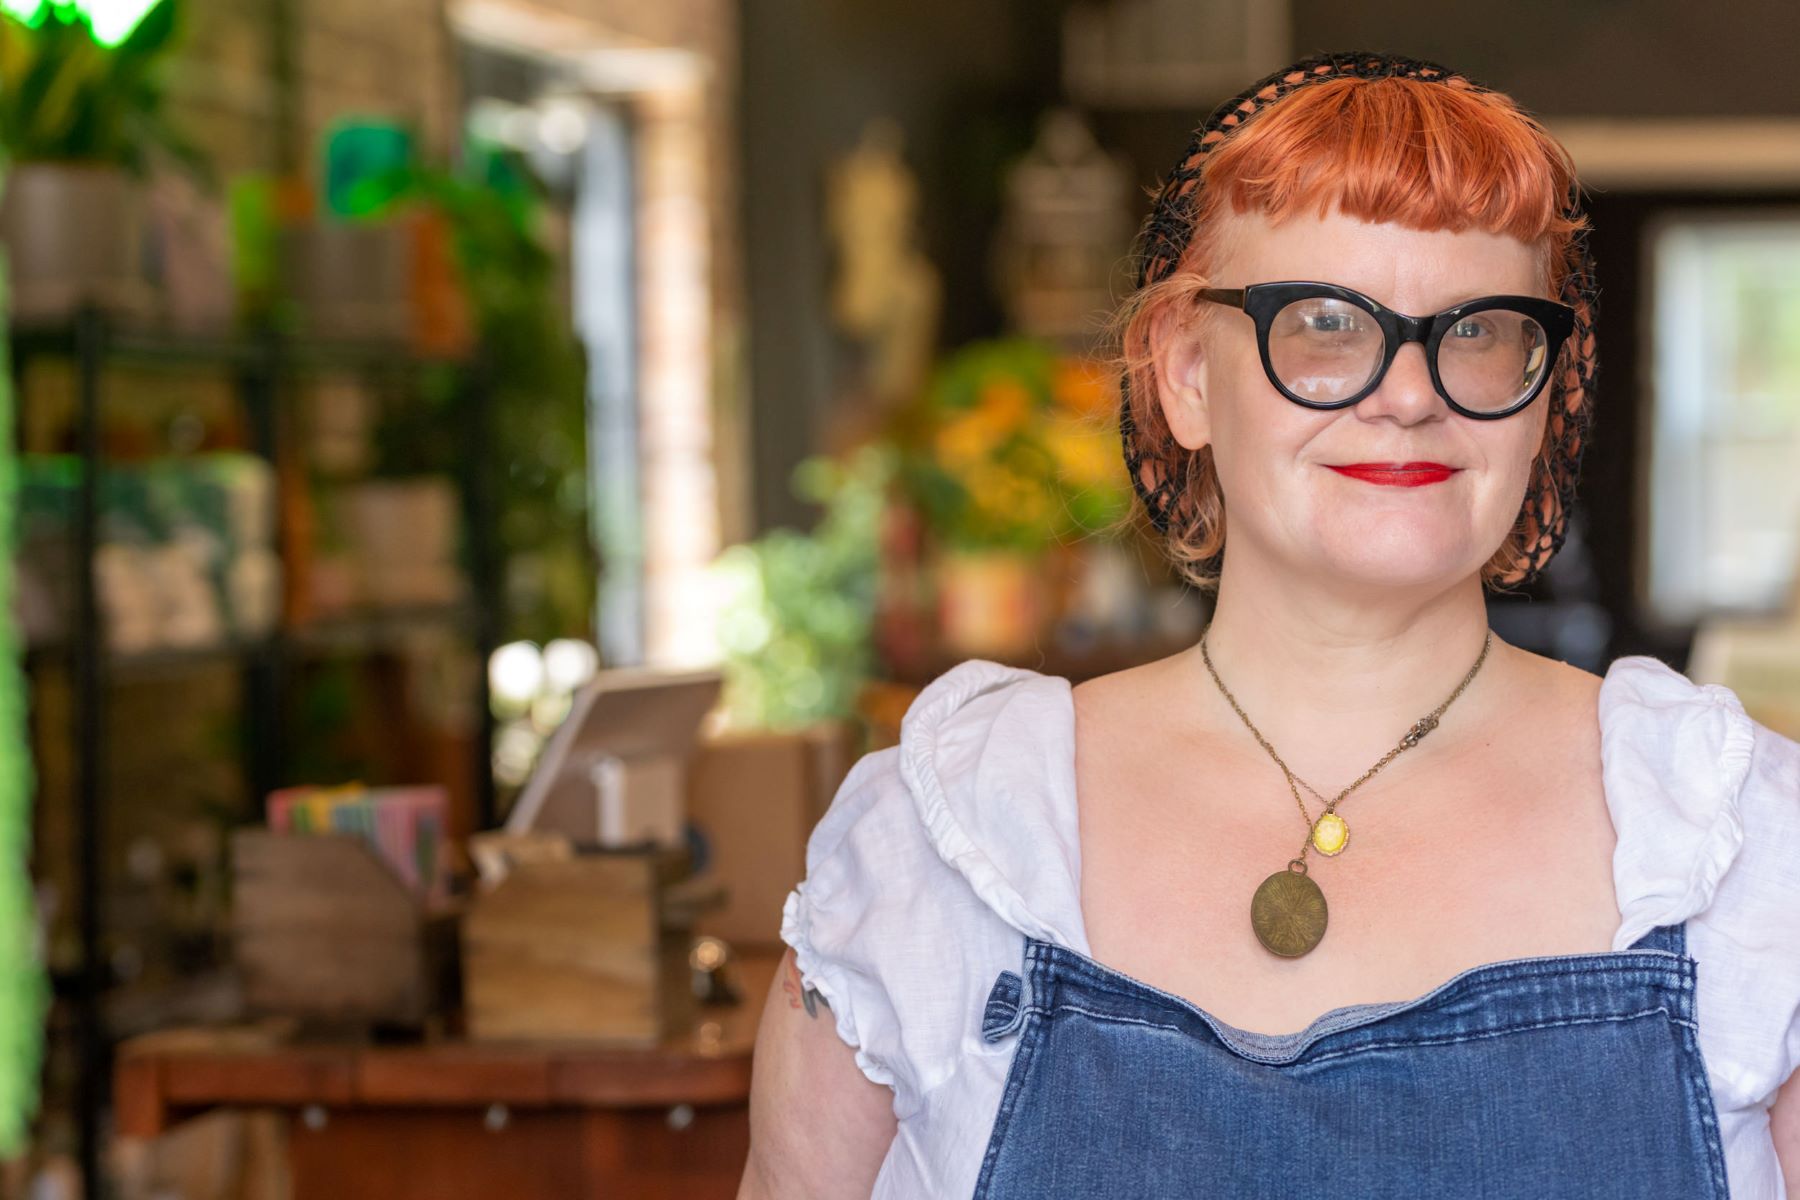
[1333, 676]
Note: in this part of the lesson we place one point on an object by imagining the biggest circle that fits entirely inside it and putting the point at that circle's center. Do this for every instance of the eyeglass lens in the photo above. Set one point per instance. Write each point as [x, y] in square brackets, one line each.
[1325, 349]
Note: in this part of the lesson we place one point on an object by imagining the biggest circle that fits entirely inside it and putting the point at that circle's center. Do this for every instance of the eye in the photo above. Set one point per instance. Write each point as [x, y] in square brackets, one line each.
[1331, 322]
[1471, 329]
[1323, 317]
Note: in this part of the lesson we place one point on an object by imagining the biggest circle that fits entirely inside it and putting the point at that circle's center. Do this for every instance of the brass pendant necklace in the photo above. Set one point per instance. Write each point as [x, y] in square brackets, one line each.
[1288, 911]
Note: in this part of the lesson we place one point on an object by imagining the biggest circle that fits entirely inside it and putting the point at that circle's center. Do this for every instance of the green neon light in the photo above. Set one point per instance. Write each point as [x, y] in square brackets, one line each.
[111, 21]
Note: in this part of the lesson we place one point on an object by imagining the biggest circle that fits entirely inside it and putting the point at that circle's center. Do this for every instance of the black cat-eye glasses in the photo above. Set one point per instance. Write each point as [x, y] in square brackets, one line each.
[1325, 346]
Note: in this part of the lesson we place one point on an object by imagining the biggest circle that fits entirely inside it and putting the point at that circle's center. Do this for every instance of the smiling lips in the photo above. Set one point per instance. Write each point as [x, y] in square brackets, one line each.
[1406, 474]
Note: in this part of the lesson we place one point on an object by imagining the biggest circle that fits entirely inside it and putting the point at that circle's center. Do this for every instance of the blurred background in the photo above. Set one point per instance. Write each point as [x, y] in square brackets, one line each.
[478, 472]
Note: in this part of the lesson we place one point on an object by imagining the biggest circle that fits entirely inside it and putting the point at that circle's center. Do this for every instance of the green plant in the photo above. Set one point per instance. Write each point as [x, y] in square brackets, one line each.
[537, 376]
[65, 96]
[23, 992]
[796, 622]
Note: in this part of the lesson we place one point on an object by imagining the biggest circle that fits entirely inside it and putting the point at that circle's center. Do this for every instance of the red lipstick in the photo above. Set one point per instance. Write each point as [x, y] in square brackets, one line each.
[1406, 474]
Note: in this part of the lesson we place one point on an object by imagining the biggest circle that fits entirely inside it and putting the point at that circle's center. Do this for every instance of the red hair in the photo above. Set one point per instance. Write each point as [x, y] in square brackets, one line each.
[1426, 154]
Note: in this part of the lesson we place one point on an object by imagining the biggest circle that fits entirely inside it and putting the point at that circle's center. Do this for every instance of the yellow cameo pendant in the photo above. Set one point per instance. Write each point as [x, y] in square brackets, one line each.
[1330, 835]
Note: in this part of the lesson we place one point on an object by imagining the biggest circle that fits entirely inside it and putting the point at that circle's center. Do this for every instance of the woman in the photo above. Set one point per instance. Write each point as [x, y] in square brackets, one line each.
[1560, 955]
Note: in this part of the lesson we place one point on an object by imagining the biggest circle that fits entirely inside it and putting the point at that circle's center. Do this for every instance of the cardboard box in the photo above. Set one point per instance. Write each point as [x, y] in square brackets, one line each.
[754, 798]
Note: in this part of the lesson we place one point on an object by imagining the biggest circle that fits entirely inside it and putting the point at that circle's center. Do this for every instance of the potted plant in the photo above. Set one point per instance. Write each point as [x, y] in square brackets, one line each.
[1012, 462]
[81, 117]
[347, 265]
[796, 610]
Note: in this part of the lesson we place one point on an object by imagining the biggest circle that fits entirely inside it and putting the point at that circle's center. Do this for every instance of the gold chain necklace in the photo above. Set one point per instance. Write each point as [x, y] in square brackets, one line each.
[1288, 911]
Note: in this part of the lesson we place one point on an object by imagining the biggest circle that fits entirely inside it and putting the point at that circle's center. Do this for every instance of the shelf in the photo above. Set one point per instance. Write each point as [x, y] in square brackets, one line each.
[224, 347]
[211, 996]
[144, 664]
[359, 633]
[64, 339]
[376, 629]
[259, 362]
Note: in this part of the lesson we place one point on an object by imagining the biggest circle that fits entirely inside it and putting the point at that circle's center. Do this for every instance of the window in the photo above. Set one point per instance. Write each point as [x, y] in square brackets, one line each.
[1724, 469]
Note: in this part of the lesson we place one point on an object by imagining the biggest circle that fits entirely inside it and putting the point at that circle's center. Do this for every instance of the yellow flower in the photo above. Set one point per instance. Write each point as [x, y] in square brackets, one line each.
[1005, 497]
[1082, 386]
[1005, 402]
[964, 440]
[1084, 454]
[972, 435]
[988, 485]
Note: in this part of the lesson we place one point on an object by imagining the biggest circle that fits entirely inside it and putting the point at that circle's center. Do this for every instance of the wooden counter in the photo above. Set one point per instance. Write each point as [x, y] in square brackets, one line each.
[451, 1120]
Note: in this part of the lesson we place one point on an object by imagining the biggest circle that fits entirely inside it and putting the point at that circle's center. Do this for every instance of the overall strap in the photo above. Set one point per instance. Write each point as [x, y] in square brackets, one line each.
[1006, 1005]
[1672, 938]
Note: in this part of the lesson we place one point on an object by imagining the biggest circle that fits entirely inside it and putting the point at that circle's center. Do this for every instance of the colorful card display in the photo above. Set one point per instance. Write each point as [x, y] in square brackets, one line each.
[404, 825]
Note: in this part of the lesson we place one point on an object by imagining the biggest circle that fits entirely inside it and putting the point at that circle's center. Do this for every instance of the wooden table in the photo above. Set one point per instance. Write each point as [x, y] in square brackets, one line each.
[452, 1120]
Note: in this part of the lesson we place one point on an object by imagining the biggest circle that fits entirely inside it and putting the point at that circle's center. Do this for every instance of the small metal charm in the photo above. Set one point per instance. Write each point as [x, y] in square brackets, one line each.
[1330, 834]
[1288, 912]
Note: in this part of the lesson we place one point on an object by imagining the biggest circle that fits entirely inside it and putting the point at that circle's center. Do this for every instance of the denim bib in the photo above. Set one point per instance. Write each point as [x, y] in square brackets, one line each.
[1544, 1078]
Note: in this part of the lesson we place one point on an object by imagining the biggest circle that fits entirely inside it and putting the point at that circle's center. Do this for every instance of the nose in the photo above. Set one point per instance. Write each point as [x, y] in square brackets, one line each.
[1406, 393]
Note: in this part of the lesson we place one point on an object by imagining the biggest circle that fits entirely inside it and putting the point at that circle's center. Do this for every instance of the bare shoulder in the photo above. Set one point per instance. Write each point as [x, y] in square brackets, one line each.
[1133, 728]
[1563, 674]
[1550, 760]
[1566, 689]
[1131, 691]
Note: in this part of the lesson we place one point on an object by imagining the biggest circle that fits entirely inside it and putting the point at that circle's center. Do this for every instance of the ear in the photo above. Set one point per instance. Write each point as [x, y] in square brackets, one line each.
[1180, 366]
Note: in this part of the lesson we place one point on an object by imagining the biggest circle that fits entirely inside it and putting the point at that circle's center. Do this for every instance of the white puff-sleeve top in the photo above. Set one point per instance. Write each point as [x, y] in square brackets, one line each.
[938, 853]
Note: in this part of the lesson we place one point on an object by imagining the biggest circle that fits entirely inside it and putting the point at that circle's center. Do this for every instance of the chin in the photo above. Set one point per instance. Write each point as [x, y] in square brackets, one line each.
[1399, 563]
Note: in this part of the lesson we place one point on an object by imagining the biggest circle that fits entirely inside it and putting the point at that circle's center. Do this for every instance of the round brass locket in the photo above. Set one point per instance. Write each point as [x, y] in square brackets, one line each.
[1288, 912]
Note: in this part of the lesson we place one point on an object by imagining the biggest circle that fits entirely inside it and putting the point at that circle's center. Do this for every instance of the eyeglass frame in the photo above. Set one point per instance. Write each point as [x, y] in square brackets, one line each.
[1261, 301]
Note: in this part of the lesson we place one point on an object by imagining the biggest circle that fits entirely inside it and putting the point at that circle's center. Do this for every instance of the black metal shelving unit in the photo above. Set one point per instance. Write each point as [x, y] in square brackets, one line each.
[261, 361]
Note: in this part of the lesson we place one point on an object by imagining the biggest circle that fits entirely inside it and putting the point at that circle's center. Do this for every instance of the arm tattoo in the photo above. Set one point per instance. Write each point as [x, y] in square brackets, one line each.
[798, 993]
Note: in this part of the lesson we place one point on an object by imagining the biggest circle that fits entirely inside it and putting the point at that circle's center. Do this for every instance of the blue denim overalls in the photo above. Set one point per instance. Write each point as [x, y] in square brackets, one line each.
[1530, 1079]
